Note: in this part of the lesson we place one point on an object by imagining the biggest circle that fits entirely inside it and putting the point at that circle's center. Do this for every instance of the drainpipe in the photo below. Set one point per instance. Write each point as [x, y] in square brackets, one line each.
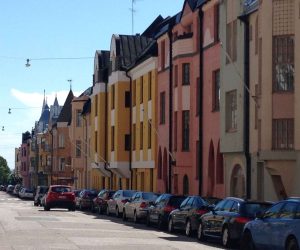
[130, 128]
[106, 139]
[200, 100]
[86, 168]
[51, 170]
[170, 108]
[245, 20]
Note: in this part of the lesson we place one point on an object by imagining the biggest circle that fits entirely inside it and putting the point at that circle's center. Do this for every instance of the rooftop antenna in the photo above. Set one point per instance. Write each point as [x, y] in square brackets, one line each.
[132, 9]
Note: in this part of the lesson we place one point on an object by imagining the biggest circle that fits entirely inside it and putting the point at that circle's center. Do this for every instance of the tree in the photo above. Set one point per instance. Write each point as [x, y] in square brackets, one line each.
[4, 171]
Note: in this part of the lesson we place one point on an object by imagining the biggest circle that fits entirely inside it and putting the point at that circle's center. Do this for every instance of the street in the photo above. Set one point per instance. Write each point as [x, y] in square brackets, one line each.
[23, 226]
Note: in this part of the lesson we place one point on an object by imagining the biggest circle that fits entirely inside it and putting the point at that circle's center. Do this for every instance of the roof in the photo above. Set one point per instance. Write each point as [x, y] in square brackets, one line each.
[55, 101]
[87, 92]
[168, 24]
[153, 27]
[45, 115]
[66, 112]
[131, 47]
[86, 107]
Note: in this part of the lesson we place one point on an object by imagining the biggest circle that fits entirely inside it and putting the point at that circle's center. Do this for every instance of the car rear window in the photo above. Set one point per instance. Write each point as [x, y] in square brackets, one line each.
[149, 196]
[61, 189]
[128, 193]
[250, 209]
[176, 201]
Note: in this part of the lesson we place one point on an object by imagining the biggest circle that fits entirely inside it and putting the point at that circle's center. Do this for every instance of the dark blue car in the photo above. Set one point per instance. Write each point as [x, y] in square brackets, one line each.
[276, 228]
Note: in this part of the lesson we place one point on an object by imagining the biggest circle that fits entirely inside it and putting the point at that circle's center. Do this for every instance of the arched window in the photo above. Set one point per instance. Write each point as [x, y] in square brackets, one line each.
[185, 185]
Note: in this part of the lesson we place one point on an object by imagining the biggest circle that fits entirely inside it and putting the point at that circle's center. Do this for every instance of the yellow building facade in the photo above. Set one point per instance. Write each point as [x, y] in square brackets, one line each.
[144, 82]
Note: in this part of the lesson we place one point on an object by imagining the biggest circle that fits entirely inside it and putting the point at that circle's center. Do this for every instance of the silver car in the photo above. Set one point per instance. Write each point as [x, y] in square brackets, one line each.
[26, 193]
[137, 207]
[116, 203]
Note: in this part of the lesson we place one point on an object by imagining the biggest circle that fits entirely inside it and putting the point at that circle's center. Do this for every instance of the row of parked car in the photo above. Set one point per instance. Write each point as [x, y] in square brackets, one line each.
[253, 224]
[18, 190]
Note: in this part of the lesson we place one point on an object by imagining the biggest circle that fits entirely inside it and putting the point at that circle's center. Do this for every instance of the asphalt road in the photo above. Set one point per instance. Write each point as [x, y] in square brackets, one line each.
[23, 226]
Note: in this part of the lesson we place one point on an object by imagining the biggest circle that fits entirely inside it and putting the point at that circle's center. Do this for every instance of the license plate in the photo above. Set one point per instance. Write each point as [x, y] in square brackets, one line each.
[62, 197]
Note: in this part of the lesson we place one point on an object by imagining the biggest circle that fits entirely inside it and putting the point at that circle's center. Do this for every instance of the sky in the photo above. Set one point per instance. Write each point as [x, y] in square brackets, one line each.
[35, 29]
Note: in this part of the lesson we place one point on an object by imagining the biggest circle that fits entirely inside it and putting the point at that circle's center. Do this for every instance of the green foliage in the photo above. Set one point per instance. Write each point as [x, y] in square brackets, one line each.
[4, 171]
[13, 179]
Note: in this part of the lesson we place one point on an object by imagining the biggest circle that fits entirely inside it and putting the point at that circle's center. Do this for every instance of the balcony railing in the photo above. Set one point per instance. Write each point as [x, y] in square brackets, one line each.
[183, 44]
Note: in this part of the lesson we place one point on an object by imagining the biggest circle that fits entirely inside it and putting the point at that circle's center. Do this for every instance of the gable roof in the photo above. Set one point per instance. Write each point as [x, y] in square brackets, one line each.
[168, 23]
[131, 47]
[153, 27]
[86, 107]
[66, 112]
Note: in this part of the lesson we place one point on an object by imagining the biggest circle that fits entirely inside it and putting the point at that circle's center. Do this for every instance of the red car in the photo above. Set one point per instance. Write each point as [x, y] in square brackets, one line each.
[60, 196]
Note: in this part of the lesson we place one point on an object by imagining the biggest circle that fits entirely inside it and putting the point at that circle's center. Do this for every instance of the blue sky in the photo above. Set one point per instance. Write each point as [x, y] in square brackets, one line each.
[57, 29]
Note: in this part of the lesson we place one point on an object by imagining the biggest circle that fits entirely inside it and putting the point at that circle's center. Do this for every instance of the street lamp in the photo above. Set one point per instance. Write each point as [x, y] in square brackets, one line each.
[27, 63]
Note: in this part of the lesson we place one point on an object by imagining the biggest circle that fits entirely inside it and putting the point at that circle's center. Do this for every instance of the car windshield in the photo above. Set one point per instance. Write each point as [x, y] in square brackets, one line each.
[175, 201]
[61, 189]
[128, 193]
[149, 196]
[92, 194]
[250, 209]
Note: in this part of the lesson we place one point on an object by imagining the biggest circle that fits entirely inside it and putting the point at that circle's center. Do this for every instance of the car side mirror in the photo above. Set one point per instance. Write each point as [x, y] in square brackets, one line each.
[259, 215]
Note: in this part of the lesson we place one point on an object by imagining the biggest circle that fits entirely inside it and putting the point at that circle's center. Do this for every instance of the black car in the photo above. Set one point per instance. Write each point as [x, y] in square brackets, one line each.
[226, 221]
[187, 216]
[159, 212]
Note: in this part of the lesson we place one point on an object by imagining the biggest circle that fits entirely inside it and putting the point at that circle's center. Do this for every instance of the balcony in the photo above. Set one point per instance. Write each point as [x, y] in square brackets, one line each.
[183, 45]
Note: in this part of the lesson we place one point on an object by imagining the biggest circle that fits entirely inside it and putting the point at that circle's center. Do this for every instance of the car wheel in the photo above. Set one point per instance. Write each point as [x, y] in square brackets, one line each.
[247, 241]
[99, 210]
[93, 208]
[117, 212]
[135, 218]
[188, 228]
[148, 222]
[124, 216]
[292, 244]
[200, 234]
[170, 226]
[225, 237]
[80, 206]
[46, 208]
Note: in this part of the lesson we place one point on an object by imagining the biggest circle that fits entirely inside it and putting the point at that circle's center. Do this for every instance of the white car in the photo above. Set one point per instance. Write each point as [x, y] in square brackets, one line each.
[26, 193]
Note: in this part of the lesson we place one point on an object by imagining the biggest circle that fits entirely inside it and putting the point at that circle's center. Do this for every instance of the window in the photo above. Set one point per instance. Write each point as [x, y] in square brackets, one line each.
[134, 93]
[62, 164]
[162, 108]
[61, 141]
[185, 74]
[133, 136]
[176, 76]
[185, 130]
[228, 205]
[235, 207]
[96, 105]
[175, 130]
[231, 41]
[141, 89]
[127, 142]
[288, 211]
[216, 90]
[149, 134]
[273, 211]
[78, 148]
[78, 118]
[283, 134]
[162, 54]
[149, 85]
[96, 140]
[141, 135]
[231, 111]
[220, 205]
[127, 99]
[112, 96]
[112, 138]
[283, 63]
